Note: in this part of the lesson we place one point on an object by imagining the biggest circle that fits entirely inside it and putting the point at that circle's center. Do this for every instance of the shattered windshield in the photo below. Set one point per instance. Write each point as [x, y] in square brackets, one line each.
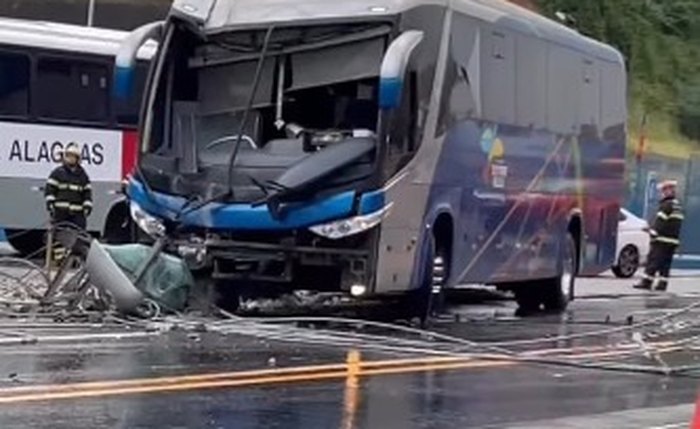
[299, 83]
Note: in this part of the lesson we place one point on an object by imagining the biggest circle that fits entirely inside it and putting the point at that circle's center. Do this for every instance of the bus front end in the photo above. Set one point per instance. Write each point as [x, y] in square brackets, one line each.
[262, 155]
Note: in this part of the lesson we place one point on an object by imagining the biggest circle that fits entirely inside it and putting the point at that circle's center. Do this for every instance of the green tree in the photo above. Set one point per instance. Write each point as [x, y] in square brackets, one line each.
[659, 40]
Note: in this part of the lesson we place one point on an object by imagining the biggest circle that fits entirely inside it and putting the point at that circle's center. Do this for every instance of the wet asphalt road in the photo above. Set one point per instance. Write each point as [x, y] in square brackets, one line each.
[425, 394]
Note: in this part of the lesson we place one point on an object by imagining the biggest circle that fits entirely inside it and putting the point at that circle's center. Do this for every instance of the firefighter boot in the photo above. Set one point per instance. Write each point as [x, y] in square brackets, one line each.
[645, 284]
[662, 285]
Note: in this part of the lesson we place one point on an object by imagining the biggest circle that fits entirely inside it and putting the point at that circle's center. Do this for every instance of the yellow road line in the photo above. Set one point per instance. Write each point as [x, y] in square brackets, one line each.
[262, 377]
[95, 385]
[366, 365]
[213, 384]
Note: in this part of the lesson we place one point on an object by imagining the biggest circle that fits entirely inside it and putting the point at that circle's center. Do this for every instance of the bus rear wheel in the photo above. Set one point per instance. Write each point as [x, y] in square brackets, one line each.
[26, 241]
[552, 294]
[560, 291]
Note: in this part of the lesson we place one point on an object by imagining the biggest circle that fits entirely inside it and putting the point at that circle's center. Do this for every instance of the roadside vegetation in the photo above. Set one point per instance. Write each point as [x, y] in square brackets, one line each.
[660, 40]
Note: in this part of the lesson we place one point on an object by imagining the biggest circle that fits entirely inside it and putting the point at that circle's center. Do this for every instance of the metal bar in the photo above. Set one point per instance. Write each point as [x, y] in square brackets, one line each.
[49, 251]
[369, 34]
[91, 13]
[152, 257]
[57, 280]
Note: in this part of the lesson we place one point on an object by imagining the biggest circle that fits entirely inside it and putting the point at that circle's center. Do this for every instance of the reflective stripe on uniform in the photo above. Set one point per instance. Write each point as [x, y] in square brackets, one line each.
[50, 198]
[67, 186]
[662, 215]
[71, 207]
[677, 216]
[668, 240]
[87, 203]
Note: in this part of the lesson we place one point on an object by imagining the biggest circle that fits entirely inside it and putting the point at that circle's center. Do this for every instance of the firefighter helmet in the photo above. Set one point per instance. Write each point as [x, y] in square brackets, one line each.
[72, 149]
[668, 184]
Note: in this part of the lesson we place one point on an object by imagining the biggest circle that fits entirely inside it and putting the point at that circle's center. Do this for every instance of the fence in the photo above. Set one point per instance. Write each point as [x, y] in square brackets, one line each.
[642, 196]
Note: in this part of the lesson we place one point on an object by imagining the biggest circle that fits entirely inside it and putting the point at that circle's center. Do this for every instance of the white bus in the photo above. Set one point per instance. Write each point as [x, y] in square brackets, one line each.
[55, 88]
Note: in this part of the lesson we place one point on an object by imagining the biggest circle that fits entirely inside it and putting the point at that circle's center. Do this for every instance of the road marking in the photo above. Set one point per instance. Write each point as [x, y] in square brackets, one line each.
[13, 395]
[672, 426]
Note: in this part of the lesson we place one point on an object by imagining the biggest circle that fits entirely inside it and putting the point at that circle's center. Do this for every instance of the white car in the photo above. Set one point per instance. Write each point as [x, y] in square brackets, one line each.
[632, 244]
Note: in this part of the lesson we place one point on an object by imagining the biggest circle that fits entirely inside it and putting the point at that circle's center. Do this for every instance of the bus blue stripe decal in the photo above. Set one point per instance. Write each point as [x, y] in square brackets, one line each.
[245, 217]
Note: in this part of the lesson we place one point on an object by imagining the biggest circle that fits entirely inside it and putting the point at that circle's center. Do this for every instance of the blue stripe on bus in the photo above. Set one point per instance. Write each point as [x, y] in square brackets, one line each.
[245, 217]
[390, 93]
[123, 82]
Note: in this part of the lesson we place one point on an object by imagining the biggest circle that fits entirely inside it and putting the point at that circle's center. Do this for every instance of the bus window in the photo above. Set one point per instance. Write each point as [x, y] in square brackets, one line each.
[613, 90]
[72, 90]
[564, 90]
[590, 93]
[461, 90]
[531, 83]
[498, 76]
[14, 84]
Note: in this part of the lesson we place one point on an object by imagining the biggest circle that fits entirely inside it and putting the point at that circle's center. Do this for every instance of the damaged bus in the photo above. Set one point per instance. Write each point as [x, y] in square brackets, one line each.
[384, 149]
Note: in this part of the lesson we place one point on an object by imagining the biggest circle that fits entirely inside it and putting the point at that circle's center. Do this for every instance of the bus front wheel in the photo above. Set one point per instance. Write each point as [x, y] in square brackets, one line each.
[427, 301]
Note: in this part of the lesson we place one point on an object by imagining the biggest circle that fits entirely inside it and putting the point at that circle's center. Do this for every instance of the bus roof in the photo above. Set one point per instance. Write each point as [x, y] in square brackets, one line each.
[220, 15]
[64, 37]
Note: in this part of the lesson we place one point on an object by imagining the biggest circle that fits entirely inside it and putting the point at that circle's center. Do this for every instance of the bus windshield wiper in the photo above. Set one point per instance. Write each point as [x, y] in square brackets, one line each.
[249, 107]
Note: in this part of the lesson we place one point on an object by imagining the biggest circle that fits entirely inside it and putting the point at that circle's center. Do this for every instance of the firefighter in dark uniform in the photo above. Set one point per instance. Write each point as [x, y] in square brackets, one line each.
[68, 191]
[665, 238]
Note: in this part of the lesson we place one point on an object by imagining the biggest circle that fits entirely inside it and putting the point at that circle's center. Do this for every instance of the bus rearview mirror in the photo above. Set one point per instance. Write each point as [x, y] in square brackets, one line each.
[125, 61]
[393, 69]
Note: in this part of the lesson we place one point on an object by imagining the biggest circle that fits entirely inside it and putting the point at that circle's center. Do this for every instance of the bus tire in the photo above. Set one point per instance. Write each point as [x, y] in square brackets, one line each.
[559, 291]
[428, 300]
[552, 294]
[528, 297]
[26, 241]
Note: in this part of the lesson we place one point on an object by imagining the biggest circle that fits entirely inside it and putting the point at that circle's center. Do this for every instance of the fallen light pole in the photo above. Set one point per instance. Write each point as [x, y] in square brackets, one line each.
[106, 275]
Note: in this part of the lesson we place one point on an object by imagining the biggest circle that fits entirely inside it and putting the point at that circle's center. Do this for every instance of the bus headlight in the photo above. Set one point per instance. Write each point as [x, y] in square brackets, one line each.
[351, 226]
[148, 224]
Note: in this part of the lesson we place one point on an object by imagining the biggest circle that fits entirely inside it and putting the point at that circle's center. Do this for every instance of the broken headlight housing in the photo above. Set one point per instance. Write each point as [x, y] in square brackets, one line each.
[148, 223]
[354, 225]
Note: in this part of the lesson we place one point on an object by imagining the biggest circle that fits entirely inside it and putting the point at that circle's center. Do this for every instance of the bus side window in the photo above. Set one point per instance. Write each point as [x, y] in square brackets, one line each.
[14, 84]
[531, 83]
[498, 76]
[403, 136]
[564, 90]
[71, 90]
[461, 89]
